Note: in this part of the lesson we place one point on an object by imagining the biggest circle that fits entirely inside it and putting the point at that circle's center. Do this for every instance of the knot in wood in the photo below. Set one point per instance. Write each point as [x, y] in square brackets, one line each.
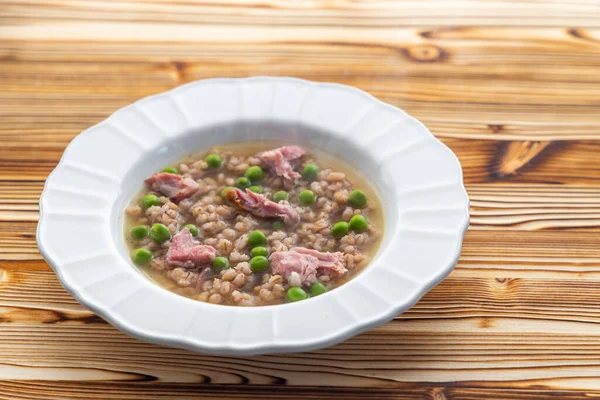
[425, 53]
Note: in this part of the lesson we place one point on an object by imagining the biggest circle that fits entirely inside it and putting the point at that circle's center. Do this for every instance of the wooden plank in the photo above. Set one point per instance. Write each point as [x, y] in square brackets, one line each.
[534, 207]
[483, 161]
[342, 14]
[573, 162]
[30, 390]
[553, 254]
[477, 44]
[516, 105]
[389, 358]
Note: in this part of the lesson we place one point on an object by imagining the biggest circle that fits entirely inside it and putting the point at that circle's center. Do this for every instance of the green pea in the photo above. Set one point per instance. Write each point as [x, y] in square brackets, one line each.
[317, 288]
[256, 238]
[358, 223]
[139, 232]
[192, 228]
[219, 264]
[141, 256]
[224, 192]
[213, 161]
[254, 173]
[256, 189]
[278, 225]
[310, 172]
[306, 198]
[259, 251]
[242, 182]
[171, 170]
[159, 233]
[296, 294]
[280, 195]
[259, 264]
[340, 229]
[149, 200]
[357, 199]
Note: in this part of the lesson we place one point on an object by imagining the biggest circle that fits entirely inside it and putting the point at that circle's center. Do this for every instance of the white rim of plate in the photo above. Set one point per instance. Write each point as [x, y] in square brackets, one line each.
[81, 193]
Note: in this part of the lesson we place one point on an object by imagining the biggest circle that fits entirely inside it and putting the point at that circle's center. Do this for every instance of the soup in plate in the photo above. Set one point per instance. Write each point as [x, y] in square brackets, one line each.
[254, 224]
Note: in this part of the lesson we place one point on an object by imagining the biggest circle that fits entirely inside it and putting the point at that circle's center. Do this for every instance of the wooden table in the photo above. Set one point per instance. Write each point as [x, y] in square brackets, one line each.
[512, 87]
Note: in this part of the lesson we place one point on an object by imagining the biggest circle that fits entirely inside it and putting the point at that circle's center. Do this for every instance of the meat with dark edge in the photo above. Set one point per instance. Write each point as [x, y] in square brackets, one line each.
[280, 160]
[173, 186]
[260, 206]
[187, 252]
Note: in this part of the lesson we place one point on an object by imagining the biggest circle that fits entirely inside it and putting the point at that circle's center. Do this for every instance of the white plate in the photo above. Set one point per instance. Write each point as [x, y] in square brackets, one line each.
[80, 232]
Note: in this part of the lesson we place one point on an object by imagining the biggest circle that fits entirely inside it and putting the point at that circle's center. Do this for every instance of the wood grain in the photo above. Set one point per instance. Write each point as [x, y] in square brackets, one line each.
[533, 298]
[511, 87]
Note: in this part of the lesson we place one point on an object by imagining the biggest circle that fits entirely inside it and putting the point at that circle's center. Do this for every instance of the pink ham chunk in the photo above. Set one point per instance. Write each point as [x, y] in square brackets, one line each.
[260, 206]
[279, 160]
[307, 264]
[173, 186]
[330, 264]
[189, 253]
[289, 263]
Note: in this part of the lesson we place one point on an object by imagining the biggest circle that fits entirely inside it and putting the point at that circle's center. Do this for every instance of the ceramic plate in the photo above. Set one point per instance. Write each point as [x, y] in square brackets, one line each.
[419, 179]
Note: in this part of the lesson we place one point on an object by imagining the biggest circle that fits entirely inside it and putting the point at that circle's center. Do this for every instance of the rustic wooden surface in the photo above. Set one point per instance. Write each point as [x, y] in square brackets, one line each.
[512, 87]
